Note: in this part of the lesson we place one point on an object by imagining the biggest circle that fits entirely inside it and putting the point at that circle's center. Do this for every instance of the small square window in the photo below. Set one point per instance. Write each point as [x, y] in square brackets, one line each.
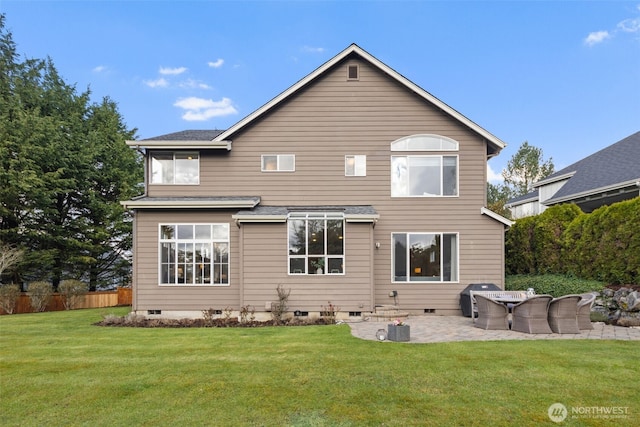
[352, 72]
[355, 165]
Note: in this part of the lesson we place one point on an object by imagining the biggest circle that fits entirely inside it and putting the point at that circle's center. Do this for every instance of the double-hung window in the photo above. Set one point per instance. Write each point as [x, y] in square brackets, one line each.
[425, 257]
[168, 167]
[194, 254]
[316, 243]
[419, 175]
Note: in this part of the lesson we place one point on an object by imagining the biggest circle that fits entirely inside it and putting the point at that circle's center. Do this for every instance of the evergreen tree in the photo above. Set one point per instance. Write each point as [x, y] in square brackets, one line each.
[65, 167]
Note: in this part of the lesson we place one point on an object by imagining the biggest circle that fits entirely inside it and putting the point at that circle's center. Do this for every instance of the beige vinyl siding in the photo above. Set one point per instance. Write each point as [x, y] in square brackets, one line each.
[331, 118]
[265, 266]
[149, 295]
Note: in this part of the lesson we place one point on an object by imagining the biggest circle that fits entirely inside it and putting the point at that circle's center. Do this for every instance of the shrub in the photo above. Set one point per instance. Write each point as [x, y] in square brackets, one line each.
[40, 294]
[72, 291]
[9, 295]
[547, 237]
[552, 284]
[280, 308]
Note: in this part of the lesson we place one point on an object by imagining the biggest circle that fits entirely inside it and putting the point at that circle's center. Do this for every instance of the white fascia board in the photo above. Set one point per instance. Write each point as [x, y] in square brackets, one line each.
[188, 204]
[547, 181]
[259, 218]
[400, 78]
[499, 218]
[181, 145]
[361, 218]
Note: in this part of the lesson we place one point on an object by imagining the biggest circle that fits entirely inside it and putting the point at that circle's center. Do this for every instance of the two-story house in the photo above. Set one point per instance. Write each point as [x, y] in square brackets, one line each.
[354, 186]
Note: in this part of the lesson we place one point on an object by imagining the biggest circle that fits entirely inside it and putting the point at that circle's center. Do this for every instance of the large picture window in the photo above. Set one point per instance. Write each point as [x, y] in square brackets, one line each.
[194, 254]
[316, 243]
[425, 257]
[424, 176]
[169, 167]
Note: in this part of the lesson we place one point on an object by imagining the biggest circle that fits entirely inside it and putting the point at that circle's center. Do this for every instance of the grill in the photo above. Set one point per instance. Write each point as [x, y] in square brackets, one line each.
[465, 296]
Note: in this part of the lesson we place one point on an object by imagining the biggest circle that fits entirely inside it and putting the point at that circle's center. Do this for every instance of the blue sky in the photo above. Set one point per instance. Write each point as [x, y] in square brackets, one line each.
[562, 75]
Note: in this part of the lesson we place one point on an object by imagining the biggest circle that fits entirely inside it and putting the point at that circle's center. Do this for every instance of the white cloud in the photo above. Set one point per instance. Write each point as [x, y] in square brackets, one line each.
[193, 84]
[492, 176]
[161, 82]
[216, 64]
[172, 71]
[630, 25]
[100, 69]
[310, 49]
[200, 109]
[596, 37]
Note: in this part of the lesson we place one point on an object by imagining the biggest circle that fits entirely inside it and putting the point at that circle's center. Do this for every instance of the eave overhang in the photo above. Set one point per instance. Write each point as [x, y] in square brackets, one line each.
[181, 145]
[497, 217]
[192, 203]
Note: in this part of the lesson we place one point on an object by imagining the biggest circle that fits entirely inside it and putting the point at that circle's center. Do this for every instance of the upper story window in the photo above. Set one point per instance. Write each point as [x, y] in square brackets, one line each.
[278, 163]
[168, 167]
[424, 142]
[424, 175]
[355, 165]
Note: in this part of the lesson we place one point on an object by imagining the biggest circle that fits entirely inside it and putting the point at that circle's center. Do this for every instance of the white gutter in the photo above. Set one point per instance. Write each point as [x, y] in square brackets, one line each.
[176, 145]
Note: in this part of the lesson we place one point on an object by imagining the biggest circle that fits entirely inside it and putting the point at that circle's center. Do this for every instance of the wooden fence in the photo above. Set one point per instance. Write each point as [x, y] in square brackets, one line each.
[91, 300]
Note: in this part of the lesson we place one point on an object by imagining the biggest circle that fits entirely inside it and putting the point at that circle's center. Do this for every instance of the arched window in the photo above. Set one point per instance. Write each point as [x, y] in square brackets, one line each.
[433, 175]
[424, 142]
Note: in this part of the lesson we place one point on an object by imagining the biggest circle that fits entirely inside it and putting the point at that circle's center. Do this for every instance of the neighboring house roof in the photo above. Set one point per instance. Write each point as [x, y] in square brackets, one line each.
[223, 138]
[526, 198]
[609, 169]
[607, 176]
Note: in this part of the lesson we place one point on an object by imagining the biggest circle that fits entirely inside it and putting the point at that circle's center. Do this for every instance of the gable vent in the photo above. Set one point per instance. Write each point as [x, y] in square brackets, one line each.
[352, 72]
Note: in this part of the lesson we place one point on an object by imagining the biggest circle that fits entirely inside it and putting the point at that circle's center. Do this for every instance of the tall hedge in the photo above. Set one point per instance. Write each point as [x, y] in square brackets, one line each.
[603, 245]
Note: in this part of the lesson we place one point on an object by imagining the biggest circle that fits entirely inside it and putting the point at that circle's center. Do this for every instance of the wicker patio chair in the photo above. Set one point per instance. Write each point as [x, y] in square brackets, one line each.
[584, 310]
[563, 314]
[491, 314]
[530, 315]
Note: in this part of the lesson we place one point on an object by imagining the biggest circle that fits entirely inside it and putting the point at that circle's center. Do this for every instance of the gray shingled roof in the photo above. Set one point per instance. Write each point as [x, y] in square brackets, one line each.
[615, 164]
[524, 198]
[188, 135]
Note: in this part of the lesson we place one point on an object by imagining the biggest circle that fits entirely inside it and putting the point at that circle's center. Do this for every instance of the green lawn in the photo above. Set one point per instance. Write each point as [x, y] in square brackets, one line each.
[58, 369]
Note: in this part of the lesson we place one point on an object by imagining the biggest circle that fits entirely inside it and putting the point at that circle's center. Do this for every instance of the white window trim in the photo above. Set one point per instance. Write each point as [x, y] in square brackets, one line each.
[441, 156]
[357, 166]
[311, 216]
[173, 152]
[426, 282]
[397, 144]
[278, 157]
[194, 240]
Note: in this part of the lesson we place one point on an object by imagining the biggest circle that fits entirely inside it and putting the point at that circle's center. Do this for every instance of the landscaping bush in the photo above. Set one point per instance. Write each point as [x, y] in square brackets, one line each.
[72, 291]
[548, 237]
[552, 284]
[40, 294]
[9, 295]
[603, 245]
